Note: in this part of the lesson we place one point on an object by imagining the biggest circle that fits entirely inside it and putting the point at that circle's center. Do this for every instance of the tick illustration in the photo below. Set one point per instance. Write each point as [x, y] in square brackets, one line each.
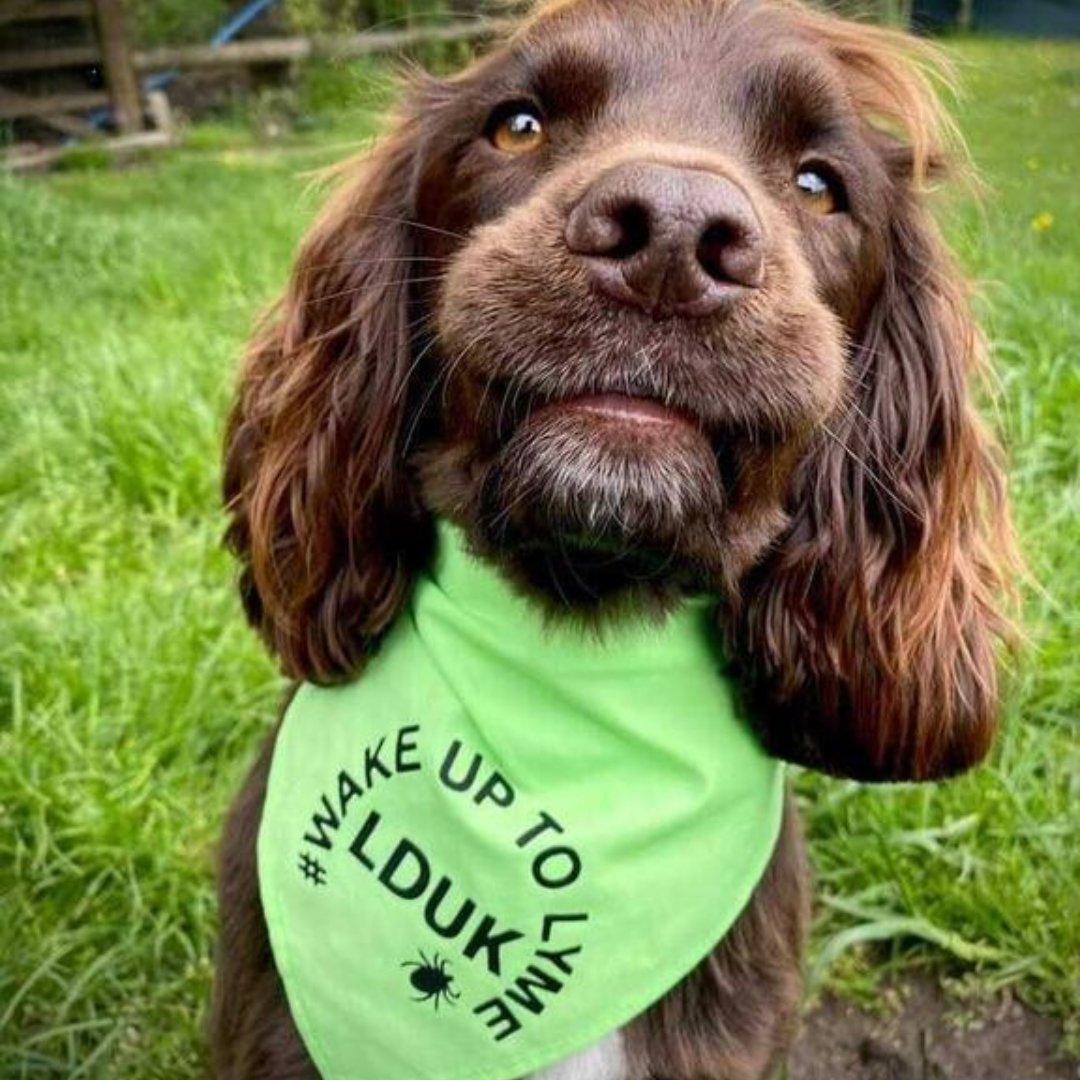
[431, 980]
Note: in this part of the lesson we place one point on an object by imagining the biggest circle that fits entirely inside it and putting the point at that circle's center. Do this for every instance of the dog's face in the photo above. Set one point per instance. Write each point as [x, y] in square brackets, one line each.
[648, 301]
[657, 227]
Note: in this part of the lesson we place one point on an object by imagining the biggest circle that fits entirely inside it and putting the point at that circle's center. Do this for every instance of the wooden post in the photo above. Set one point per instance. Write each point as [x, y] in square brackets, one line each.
[119, 73]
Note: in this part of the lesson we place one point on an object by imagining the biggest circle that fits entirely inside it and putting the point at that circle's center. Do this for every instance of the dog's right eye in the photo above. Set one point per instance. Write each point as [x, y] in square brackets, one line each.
[820, 189]
[516, 128]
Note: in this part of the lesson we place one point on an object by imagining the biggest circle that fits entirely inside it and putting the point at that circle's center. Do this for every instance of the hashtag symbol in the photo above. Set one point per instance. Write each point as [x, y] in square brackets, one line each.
[312, 869]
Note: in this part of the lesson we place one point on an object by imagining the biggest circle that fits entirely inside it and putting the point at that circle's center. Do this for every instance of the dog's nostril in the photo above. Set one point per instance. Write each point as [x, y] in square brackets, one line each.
[730, 254]
[609, 225]
[631, 222]
[716, 241]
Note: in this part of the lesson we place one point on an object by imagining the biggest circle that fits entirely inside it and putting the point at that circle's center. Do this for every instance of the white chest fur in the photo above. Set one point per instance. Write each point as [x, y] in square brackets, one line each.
[604, 1061]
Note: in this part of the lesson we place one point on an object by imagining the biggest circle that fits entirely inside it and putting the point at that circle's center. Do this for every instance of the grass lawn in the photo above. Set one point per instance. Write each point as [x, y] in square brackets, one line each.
[132, 696]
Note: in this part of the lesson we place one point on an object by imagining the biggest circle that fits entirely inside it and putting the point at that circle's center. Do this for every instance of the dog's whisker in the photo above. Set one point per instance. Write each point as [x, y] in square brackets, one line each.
[414, 366]
[517, 388]
[424, 321]
[411, 223]
[364, 286]
[883, 488]
[888, 467]
[438, 382]
[503, 405]
[458, 361]
[488, 383]
[418, 414]
[338, 264]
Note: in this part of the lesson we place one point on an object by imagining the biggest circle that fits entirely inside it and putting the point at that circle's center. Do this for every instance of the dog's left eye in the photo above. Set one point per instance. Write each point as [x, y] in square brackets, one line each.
[516, 129]
[820, 190]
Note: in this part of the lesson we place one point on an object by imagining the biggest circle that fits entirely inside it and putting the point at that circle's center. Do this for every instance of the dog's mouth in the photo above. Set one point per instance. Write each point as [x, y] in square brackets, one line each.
[637, 414]
[607, 486]
[624, 410]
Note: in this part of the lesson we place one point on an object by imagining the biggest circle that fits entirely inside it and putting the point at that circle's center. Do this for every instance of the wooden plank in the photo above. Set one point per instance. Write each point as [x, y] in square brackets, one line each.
[42, 59]
[12, 106]
[289, 50]
[27, 161]
[119, 72]
[59, 9]
[25, 11]
[75, 126]
[14, 10]
[343, 48]
[235, 54]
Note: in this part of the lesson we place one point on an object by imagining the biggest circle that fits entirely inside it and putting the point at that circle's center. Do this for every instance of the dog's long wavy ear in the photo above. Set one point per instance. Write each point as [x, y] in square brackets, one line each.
[870, 635]
[323, 515]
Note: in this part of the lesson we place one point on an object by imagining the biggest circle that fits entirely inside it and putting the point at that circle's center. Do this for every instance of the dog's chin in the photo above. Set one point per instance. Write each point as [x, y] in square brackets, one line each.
[598, 495]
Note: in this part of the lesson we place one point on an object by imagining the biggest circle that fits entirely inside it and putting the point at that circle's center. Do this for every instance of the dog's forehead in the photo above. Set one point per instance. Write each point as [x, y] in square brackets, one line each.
[689, 55]
[643, 35]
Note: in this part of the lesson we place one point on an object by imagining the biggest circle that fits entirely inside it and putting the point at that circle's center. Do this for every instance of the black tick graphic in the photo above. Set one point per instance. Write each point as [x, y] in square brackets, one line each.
[431, 980]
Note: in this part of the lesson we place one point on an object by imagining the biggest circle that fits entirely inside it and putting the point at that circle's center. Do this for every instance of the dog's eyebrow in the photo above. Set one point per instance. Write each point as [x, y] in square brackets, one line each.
[795, 100]
[568, 79]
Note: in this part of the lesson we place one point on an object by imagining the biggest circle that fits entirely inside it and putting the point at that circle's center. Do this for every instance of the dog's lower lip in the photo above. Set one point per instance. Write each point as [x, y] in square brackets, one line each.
[622, 408]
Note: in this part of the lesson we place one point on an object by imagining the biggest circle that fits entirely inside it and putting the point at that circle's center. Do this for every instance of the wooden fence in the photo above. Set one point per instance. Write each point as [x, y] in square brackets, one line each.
[256, 51]
[76, 111]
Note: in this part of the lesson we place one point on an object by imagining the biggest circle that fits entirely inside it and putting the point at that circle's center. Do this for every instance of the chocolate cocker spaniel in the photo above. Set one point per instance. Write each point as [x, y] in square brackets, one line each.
[646, 302]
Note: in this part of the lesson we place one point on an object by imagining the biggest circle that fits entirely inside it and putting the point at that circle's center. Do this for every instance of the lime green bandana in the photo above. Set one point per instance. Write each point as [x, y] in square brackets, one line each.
[506, 840]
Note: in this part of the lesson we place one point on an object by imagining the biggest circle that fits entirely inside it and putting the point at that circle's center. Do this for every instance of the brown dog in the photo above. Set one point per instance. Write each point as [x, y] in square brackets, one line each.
[647, 302]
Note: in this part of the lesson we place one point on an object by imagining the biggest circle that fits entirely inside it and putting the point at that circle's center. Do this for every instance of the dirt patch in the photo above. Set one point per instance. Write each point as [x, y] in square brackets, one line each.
[930, 1037]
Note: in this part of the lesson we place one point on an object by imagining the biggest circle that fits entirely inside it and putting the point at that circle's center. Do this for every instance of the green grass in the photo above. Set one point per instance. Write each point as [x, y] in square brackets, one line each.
[132, 696]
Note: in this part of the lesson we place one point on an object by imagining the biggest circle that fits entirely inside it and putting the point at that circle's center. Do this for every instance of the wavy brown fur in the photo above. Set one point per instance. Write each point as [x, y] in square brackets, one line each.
[870, 634]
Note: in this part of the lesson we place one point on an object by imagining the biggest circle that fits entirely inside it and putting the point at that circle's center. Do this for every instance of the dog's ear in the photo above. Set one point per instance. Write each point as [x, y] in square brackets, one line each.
[323, 513]
[870, 634]
[871, 631]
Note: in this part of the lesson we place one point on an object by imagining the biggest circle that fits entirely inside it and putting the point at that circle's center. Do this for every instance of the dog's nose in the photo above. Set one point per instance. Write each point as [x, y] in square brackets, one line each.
[674, 241]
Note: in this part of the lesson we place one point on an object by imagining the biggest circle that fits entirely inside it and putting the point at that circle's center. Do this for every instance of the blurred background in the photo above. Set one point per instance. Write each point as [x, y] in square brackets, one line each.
[156, 161]
[70, 69]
